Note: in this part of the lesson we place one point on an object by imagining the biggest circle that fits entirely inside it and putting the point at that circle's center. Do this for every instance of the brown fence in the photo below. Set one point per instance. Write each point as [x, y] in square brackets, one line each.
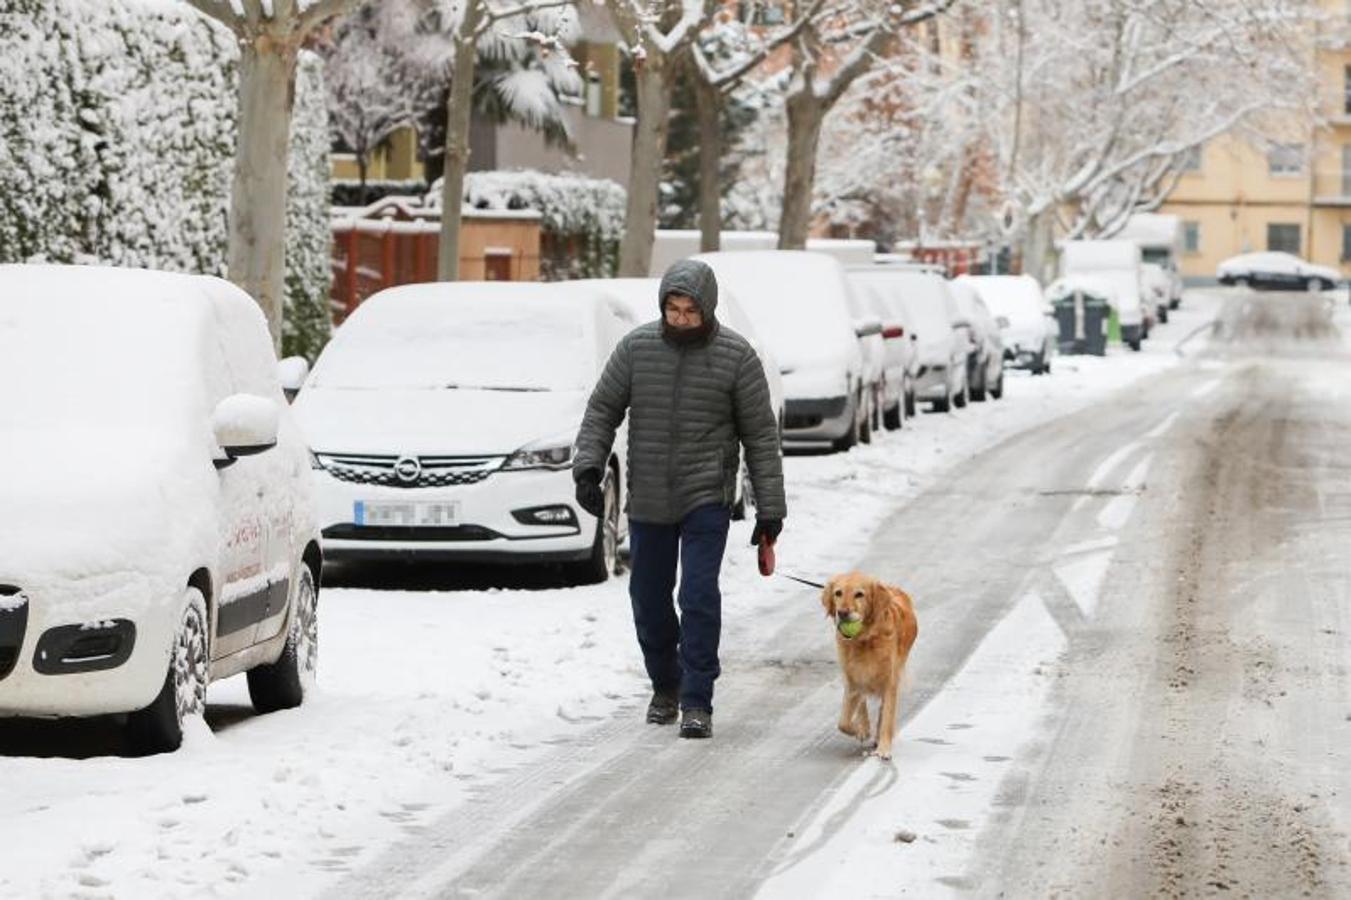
[373, 253]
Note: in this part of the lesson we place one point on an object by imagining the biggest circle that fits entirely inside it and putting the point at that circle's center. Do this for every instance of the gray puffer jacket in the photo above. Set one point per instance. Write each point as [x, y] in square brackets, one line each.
[691, 408]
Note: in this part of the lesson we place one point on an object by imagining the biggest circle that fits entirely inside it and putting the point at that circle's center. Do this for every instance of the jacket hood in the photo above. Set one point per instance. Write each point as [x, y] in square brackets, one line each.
[694, 279]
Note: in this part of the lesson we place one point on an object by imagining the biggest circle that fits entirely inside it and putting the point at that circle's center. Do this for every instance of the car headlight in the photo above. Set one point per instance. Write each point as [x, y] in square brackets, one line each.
[554, 453]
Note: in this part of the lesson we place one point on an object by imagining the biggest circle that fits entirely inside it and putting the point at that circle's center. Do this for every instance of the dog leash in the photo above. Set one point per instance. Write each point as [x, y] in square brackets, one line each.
[766, 560]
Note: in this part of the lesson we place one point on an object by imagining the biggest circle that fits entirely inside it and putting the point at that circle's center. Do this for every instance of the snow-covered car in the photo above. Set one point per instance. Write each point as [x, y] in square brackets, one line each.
[1023, 316]
[901, 358]
[441, 420]
[159, 528]
[985, 364]
[799, 303]
[1276, 270]
[1118, 262]
[639, 296]
[941, 340]
[1158, 287]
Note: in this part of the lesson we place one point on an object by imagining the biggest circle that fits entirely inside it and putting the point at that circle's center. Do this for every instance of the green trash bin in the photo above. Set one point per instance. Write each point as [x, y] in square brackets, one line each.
[1082, 317]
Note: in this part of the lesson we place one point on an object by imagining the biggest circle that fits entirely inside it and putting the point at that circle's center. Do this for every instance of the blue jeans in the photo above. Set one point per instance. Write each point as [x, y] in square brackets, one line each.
[680, 653]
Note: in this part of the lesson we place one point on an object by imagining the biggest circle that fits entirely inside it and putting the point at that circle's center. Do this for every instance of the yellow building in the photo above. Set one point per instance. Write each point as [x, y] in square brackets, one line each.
[1293, 195]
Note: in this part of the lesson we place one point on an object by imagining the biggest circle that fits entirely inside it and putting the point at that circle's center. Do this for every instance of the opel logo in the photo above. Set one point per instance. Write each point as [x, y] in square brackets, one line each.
[407, 469]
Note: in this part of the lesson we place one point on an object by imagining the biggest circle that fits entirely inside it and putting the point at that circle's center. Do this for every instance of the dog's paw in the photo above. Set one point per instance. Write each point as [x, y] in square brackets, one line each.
[882, 754]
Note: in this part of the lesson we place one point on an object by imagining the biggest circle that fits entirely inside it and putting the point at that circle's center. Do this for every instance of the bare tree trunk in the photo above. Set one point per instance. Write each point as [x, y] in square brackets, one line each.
[805, 115]
[708, 108]
[649, 149]
[1037, 248]
[258, 192]
[459, 109]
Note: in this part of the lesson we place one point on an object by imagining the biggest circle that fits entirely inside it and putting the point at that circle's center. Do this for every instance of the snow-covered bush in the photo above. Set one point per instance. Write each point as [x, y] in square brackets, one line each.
[582, 218]
[117, 131]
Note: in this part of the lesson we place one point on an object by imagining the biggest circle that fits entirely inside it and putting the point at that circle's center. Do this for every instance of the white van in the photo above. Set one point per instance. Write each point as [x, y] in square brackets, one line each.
[158, 529]
[1117, 262]
[799, 303]
[442, 418]
[1160, 238]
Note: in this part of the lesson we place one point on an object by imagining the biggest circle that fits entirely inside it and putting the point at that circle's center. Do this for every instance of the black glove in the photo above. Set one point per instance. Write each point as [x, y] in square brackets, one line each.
[769, 528]
[589, 495]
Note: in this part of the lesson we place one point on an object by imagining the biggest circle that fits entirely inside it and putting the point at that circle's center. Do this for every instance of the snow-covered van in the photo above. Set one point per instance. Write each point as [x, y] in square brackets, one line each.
[442, 419]
[1119, 263]
[1160, 238]
[158, 526]
[799, 303]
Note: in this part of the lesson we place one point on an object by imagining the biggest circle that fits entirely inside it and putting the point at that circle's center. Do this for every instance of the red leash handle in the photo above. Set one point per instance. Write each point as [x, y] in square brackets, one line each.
[766, 556]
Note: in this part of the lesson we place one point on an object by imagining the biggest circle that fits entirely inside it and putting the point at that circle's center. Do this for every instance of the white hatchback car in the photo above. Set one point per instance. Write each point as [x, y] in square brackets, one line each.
[442, 419]
[158, 527]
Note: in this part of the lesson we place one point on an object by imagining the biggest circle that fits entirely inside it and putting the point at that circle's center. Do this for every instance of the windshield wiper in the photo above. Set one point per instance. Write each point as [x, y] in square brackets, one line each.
[484, 387]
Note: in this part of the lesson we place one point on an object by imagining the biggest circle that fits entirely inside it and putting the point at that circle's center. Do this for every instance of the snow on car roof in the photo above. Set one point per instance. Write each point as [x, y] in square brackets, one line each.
[1152, 230]
[469, 335]
[1099, 254]
[797, 300]
[923, 295]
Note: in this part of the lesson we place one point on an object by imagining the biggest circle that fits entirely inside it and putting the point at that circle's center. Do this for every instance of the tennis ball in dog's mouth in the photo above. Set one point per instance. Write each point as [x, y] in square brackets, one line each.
[850, 627]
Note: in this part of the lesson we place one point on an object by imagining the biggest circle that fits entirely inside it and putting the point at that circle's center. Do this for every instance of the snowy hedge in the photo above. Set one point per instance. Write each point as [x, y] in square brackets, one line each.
[117, 130]
[581, 218]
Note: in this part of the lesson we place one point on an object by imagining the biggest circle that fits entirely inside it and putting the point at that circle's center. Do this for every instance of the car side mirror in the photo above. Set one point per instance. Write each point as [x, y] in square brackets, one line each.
[867, 327]
[895, 331]
[1002, 321]
[244, 424]
[292, 372]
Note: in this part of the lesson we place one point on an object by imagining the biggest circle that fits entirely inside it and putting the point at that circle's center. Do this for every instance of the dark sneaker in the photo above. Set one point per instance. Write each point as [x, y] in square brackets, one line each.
[664, 708]
[697, 723]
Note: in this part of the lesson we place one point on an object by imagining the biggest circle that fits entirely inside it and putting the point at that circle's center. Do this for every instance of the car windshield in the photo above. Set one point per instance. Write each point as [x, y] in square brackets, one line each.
[921, 296]
[95, 364]
[429, 343]
[1159, 255]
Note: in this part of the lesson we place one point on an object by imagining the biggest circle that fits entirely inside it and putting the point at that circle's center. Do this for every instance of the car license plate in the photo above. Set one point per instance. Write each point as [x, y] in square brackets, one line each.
[407, 515]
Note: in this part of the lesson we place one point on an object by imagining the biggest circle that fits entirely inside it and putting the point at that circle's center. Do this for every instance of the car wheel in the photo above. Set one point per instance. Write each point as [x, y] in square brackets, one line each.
[604, 559]
[1175, 303]
[892, 418]
[998, 390]
[284, 683]
[159, 727]
[911, 407]
[1163, 313]
[959, 400]
[977, 391]
[865, 422]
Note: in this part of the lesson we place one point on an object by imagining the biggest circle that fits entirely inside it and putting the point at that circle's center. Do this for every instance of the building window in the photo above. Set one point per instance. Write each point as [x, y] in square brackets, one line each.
[1191, 159]
[1346, 170]
[1191, 237]
[1285, 159]
[1346, 89]
[1283, 237]
[1346, 243]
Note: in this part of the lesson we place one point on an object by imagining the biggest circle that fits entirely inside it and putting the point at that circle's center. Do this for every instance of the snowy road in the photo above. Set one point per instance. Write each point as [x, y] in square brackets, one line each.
[1131, 678]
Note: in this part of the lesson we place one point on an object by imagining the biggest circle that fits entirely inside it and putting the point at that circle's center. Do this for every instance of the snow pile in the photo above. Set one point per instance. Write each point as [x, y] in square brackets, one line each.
[582, 218]
[117, 131]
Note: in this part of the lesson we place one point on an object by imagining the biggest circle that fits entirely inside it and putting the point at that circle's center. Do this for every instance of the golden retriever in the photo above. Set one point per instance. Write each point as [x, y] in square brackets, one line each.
[872, 661]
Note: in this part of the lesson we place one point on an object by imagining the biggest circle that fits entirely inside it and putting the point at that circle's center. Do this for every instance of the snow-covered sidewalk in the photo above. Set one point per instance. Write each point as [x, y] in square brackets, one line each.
[426, 695]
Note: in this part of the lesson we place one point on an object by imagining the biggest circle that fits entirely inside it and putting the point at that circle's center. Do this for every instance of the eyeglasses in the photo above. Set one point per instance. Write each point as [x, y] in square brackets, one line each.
[684, 314]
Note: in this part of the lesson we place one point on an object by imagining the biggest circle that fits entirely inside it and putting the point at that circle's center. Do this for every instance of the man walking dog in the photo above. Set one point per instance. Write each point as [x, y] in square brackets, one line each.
[695, 393]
